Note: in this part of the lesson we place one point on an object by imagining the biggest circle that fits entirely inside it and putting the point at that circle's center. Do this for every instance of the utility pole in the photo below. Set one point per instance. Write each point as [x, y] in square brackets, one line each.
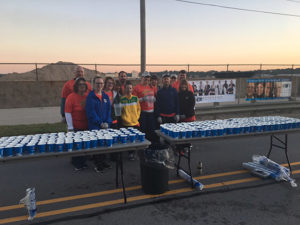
[143, 35]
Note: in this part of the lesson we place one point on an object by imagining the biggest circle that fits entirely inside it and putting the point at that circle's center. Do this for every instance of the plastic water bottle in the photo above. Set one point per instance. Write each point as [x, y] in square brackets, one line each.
[198, 186]
[30, 202]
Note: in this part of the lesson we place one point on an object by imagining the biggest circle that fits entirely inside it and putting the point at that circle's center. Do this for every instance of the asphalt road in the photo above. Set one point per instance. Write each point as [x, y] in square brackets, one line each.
[231, 195]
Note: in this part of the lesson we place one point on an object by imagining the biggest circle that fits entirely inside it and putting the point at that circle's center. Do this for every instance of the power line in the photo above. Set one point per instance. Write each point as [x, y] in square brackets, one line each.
[293, 1]
[240, 9]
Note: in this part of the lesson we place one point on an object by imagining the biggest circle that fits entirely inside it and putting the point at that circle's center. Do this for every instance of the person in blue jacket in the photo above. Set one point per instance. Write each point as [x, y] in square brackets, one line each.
[98, 111]
[98, 106]
[167, 106]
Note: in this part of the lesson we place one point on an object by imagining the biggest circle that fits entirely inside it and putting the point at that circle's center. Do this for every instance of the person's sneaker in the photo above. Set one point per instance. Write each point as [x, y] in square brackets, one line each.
[98, 169]
[131, 156]
[77, 168]
[106, 165]
[84, 166]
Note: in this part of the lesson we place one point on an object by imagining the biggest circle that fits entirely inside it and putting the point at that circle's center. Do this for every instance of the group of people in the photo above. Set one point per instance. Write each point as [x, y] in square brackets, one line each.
[258, 90]
[116, 103]
[212, 88]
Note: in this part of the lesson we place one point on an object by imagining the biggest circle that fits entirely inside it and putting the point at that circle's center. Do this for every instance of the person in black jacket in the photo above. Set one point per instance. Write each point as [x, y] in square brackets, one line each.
[186, 103]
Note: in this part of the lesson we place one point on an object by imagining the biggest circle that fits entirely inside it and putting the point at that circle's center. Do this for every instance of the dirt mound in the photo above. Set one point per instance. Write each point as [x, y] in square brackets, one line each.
[51, 72]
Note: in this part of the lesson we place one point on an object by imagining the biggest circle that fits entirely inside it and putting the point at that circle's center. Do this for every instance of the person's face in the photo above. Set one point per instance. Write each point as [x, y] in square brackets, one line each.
[173, 79]
[260, 89]
[146, 80]
[182, 76]
[184, 87]
[250, 89]
[109, 85]
[166, 81]
[79, 72]
[267, 89]
[123, 77]
[81, 87]
[117, 88]
[278, 89]
[98, 85]
[154, 83]
[128, 89]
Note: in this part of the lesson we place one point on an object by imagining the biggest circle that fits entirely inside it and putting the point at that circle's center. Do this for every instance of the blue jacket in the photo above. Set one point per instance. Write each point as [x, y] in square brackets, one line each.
[97, 111]
[167, 101]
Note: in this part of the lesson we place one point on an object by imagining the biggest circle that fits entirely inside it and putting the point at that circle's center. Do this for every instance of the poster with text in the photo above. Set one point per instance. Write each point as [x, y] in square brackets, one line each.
[208, 91]
[268, 89]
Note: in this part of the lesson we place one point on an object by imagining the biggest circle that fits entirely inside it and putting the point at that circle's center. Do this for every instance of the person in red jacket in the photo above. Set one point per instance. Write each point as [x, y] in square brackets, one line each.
[181, 76]
[68, 89]
[76, 115]
[146, 96]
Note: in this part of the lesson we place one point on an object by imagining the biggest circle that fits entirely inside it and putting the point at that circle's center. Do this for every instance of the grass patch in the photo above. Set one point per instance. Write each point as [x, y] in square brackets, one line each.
[32, 129]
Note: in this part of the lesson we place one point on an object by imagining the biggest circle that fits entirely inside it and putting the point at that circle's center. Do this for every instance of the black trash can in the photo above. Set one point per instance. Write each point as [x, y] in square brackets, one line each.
[154, 175]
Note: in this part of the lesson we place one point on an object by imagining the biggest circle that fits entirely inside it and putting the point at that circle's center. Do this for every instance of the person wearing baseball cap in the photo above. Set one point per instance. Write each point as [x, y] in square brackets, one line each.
[173, 78]
[167, 107]
[181, 76]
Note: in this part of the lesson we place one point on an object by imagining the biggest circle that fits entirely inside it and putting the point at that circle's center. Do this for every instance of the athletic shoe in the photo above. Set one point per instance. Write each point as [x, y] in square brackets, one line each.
[131, 156]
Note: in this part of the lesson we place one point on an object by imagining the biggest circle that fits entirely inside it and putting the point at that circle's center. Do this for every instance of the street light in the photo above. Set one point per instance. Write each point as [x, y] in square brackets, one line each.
[143, 35]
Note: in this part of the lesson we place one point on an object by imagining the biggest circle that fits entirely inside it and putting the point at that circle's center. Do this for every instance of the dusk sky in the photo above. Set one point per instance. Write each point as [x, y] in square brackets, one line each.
[108, 31]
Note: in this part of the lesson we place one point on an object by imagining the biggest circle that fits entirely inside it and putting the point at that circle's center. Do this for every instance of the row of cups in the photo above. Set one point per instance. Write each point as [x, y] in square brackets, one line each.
[229, 126]
[59, 142]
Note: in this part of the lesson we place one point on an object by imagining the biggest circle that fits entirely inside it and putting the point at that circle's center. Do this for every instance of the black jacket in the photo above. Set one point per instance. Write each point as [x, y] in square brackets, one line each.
[186, 103]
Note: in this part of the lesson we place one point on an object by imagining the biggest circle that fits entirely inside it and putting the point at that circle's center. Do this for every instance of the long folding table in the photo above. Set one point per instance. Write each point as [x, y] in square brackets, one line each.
[278, 139]
[115, 148]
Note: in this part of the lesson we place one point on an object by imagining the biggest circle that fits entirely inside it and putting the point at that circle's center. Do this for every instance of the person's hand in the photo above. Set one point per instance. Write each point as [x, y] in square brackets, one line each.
[159, 120]
[182, 117]
[104, 125]
[176, 118]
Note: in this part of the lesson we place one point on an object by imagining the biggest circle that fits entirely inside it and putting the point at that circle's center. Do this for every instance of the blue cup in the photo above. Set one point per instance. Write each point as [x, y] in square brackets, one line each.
[182, 134]
[176, 134]
[31, 149]
[141, 137]
[1, 152]
[213, 132]
[189, 134]
[69, 146]
[93, 143]
[208, 133]
[123, 139]
[51, 147]
[42, 148]
[78, 144]
[229, 130]
[109, 141]
[115, 139]
[8, 151]
[202, 133]
[132, 138]
[195, 133]
[220, 132]
[86, 144]
[19, 149]
[59, 147]
[101, 142]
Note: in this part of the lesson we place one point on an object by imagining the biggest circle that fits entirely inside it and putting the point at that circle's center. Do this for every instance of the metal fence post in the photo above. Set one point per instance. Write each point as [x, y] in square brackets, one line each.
[239, 90]
[36, 73]
[96, 69]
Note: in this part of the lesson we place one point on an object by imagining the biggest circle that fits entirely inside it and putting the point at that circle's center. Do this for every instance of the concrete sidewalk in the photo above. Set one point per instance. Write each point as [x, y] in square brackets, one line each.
[20, 116]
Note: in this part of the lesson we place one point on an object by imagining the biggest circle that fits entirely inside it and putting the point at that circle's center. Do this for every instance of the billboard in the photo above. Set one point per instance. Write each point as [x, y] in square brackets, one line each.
[268, 89]
[208, 91]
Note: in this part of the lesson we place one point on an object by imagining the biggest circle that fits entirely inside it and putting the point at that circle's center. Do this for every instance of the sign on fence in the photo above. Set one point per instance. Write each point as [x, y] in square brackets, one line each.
[207, 91]
[268, 89]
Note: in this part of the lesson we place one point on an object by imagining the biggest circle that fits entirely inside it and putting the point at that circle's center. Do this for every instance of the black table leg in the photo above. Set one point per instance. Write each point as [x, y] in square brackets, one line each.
[119, 164]
[284, 145]
[122, 178]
